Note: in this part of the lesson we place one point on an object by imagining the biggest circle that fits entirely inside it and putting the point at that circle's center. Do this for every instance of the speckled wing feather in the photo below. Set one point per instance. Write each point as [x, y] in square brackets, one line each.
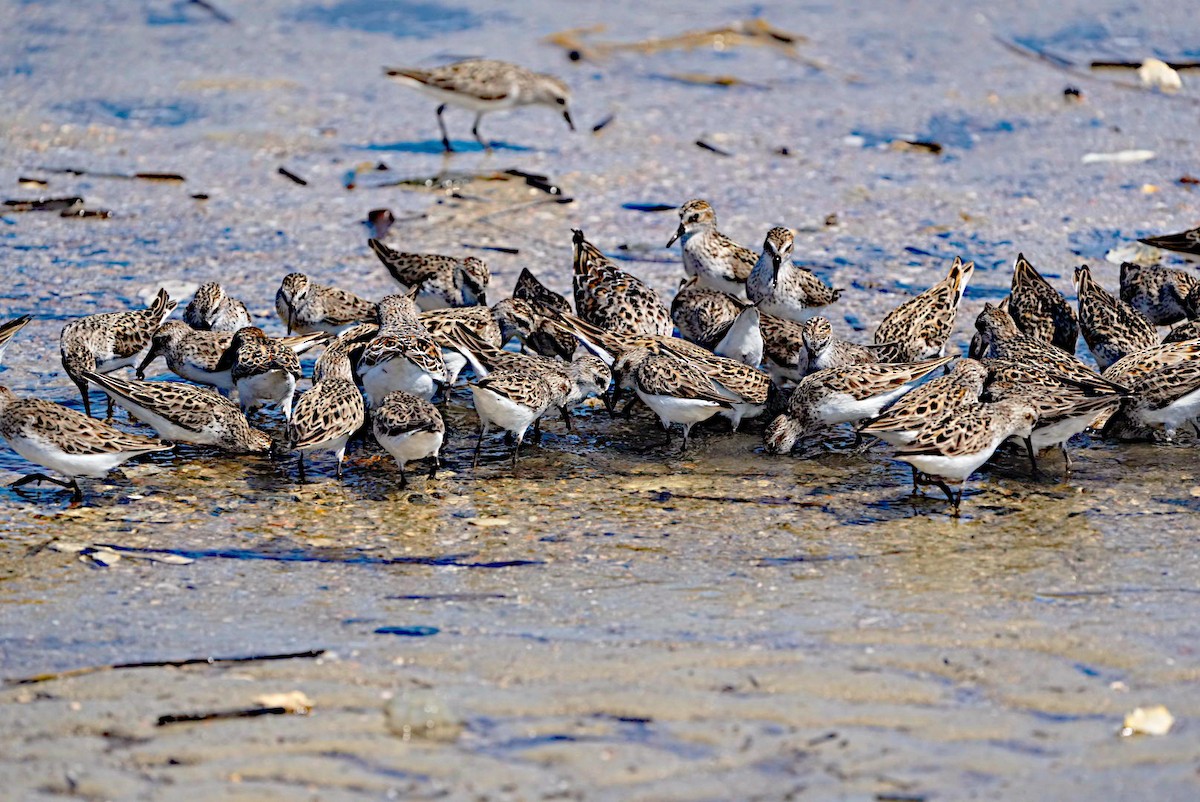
[704, 315]
[481, 78]
[403, 412]
[1167, 385]
[783, 341]
[410, 269]
[72, 432]
[185, 405]
[866, 381]
[664, 374]
[479, 319]
[750, 383]
[1112, 328]
[1039, 310]
[1129, 369]
[613, 299]
[414, 345]
[1158, 293]
[331, 409]
[925, 322]
[743, 258]
[930, 401]
[522, 387]
[261, 356]
[967, 430]
[133, 330]
[528, 288]
[1183, 242]
[342, 308]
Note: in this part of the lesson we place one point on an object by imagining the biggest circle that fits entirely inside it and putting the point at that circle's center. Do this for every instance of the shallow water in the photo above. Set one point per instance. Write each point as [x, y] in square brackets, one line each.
[609, 620]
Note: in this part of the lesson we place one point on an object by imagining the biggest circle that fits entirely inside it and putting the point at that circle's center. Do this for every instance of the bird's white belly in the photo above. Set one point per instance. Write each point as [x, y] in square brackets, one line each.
[410, 446]
[843, 407]
[1175, 415]
[957, 467]
[41, 453]
[671, 409]
[398, 373]
[499, 410]
[272, 387]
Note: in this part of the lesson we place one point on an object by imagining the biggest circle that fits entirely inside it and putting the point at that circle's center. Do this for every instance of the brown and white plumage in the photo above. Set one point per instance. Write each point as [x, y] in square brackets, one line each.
[410, 429]
[9, 329]
[781, 288]
[111, 340]
[842, 395]
[1167, 398]
[65, 441]
[713, 259]
[513, 400]
[184, 413]
[402, 355]
[785, 356]
[923, 325]
[482, 86]
[326, 415]
[440, 281]
[443, 323]
[535, 331]
[999, 338]
[211, 309]
[703, 315]
[1040, 310]
[957, 444]
[1158, 293]
[197, 355]
[612, 299]
[263, 371]
[1128, 370]
[1065, 407]
[827, 351]
[676, 389]
[900, 421]
[1112, 328]
[305, 306]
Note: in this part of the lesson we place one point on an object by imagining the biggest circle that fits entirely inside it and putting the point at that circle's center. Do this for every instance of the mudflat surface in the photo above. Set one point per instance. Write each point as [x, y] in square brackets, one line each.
[609, 621]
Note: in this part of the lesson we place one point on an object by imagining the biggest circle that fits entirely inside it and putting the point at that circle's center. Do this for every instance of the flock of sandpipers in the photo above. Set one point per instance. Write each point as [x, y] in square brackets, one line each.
[747, 342]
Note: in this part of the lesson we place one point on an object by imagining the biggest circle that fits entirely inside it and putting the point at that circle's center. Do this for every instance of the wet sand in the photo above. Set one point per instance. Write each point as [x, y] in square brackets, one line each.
[610, 621]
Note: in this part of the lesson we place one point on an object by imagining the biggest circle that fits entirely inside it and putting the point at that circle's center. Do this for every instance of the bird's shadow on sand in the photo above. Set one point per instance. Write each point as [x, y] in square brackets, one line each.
[434, 146]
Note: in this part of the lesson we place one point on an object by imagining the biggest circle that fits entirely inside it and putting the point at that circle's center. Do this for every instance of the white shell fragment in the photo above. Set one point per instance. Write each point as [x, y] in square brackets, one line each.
[292, 702]
[1156, 74]
[1119, 157]
[1137, 252]
[1155, 720]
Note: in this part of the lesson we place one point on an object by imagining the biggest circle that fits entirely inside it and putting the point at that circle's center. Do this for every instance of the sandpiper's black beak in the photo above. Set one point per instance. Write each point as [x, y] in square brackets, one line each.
[678, 233]
[291, 315]
[776, 261]
[570, 122]
[151, 355]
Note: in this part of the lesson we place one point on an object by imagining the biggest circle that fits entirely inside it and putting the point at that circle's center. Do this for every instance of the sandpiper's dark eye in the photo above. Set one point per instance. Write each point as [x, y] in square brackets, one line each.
[693, 218]
[562, 101]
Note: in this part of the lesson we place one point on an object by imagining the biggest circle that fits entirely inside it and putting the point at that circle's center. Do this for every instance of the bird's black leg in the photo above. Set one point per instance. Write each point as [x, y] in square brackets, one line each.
[403, 479]
[628, 411]
[475, 131]
[566, 416]
[687, 430]
[478, 445]
[517, 449]
[1066, 460]
[958, 500]
[301, 466]
[442, 125]
[915, 490]
[537, 431]
[39, 478]
[1032, 458]
[437, 464]
[77, 496]
[338, 472]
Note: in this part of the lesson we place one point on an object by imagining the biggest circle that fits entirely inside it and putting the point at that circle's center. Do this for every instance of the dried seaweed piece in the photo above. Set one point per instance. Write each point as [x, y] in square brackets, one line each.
[44, 204]
[747, 32]
[286, 173]
[191, 661]
[86, 214]
[704, 79]
[713, 148]
[600, 126]
[920, 145]
[32, 182]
